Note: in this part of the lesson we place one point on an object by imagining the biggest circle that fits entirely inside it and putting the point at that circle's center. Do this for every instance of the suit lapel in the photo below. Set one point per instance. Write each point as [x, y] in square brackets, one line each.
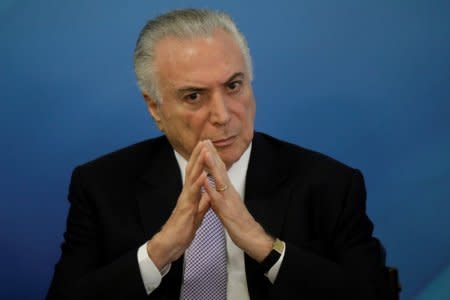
[266, 199]
[157, 192]
[265, 195]
[158, 188]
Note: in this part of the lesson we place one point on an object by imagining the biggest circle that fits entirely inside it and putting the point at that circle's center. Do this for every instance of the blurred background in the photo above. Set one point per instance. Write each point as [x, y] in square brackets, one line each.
[367, 82]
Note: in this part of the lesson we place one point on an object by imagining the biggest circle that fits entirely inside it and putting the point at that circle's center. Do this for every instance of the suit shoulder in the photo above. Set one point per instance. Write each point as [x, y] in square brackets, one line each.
[128, 160]
[297, 158]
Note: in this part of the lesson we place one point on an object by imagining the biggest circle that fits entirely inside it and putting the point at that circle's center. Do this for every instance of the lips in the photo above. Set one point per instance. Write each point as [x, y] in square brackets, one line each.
[224, 142]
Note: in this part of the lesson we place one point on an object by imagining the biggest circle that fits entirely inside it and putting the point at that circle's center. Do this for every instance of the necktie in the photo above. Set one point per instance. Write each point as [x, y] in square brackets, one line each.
[205, 261]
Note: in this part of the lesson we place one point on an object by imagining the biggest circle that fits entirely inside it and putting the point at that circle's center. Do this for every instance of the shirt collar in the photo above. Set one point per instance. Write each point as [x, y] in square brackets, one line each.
[237, 172]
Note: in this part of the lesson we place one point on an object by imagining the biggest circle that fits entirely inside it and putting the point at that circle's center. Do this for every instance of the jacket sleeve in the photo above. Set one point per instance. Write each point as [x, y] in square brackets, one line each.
[81, 272]
[348, 264]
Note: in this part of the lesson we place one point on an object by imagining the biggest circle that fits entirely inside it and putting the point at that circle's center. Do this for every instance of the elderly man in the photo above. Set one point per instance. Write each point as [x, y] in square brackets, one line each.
[213, 210]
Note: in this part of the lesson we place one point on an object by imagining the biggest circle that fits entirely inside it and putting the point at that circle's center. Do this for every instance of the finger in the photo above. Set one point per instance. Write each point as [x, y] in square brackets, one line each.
[215, 198]
[197, 167]
[216, 167]
[211, 191]
[203, 205]
[195, 187]
[194, 156]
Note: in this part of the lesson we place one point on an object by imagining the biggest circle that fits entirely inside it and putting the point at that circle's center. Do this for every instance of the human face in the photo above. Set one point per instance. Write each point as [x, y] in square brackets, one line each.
[206, 93]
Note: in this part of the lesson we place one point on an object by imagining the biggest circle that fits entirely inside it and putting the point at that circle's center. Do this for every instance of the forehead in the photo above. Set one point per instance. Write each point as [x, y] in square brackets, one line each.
[198, 61]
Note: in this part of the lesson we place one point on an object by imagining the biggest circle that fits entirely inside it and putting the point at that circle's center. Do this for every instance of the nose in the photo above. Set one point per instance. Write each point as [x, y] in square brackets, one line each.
[219, 110]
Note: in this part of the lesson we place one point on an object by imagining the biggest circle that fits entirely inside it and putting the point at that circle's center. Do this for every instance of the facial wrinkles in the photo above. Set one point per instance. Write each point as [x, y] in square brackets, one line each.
[211, 67]
[207, 64]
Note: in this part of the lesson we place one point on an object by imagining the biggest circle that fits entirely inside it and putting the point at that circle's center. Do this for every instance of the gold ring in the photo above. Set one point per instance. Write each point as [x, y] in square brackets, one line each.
[222, 188]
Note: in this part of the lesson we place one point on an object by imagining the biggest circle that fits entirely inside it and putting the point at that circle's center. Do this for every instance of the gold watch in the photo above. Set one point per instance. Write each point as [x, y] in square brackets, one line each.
[274, 255]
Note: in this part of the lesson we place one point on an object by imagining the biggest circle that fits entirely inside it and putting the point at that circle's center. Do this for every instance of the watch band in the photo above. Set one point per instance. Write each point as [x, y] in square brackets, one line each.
[273, 257]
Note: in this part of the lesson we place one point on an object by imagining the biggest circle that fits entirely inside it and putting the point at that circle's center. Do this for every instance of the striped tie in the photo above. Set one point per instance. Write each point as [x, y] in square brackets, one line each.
[205, 261]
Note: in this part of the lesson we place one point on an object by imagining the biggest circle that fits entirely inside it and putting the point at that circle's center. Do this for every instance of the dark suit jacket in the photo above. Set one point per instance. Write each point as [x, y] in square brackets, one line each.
[312, 202]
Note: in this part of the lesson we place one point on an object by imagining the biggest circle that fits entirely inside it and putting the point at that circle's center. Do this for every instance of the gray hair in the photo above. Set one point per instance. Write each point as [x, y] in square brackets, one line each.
[184, 23]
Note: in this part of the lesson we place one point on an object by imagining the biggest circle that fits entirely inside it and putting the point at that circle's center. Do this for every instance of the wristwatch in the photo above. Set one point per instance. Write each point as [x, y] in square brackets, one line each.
[274, 255]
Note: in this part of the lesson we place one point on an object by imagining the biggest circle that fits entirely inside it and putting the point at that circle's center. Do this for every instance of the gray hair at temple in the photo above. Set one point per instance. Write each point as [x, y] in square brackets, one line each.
[185, 23]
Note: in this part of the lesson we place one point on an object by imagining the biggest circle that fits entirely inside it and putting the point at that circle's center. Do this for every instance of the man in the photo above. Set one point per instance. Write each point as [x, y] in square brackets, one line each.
[289, 222]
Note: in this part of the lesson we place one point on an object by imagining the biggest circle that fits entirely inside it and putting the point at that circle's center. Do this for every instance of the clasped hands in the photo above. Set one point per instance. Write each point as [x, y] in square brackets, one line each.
[179, 230]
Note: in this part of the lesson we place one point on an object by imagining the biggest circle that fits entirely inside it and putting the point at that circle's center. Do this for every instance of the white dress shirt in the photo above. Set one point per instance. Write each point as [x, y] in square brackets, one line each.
[237, 282]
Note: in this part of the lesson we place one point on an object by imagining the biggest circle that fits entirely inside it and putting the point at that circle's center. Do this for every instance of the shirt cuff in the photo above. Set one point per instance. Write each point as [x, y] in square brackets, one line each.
[273, 272]
[150, 274]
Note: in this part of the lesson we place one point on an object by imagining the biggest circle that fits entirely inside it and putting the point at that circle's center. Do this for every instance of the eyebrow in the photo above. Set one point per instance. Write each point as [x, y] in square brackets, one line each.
[234, 76]
[193, 89]
[190, 89]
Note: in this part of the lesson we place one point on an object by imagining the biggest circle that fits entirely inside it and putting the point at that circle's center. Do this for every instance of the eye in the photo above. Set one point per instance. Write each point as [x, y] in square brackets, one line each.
[194, 97]
[234, 86]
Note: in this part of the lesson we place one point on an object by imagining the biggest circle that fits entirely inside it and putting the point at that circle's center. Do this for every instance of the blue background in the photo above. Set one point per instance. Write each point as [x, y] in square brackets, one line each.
[367, 82]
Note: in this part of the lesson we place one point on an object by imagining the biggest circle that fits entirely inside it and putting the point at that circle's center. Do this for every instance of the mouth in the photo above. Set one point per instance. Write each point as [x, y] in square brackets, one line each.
[224, 142]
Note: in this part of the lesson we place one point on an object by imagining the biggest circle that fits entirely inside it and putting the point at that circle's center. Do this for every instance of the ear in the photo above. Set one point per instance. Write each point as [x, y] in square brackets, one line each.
[153, 109]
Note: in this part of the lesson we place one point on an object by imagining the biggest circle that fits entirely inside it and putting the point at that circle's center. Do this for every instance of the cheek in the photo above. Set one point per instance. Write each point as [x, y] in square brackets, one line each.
[247, 110]
[194, 123]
